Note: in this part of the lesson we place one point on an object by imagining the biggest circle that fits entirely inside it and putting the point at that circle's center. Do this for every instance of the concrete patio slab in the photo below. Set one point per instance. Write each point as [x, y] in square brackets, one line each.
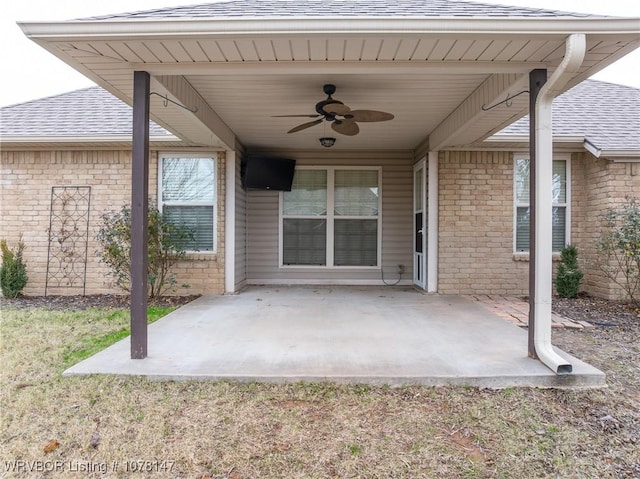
[394, 335]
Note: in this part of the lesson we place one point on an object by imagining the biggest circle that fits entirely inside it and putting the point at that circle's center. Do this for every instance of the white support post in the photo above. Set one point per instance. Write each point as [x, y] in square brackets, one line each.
[230, 222]
[432, 235]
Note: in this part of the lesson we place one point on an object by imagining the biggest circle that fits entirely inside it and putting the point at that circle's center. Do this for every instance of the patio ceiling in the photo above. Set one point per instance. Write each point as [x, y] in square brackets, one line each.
[432, 74]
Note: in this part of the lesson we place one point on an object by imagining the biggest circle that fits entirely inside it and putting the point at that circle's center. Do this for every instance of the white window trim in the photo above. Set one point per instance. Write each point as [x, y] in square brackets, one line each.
[213, 204]
[566, 157]
[330, 217]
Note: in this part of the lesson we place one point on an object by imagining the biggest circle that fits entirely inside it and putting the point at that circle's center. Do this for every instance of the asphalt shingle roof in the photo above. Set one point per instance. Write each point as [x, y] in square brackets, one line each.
[340, 8]
[81, 113]
[608, 115]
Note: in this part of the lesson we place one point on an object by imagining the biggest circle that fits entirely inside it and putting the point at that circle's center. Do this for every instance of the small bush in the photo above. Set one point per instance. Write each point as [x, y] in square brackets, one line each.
[569, 276]
[164, 248]
[13, 272]
[619, 247]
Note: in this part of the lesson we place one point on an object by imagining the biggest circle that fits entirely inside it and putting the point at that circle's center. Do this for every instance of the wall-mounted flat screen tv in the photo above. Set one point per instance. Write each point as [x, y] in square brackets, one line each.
[268, 173]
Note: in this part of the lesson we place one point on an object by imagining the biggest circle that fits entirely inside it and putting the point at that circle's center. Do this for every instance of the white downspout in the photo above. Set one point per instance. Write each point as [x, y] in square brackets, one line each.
[574, 55]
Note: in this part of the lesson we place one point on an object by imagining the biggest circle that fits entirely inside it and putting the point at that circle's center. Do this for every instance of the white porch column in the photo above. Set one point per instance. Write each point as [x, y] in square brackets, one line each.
[543, 266]
[433, 233]
[230, 222]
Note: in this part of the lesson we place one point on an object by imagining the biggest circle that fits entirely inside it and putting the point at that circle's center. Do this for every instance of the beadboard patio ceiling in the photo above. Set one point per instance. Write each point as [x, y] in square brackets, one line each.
[240, 63]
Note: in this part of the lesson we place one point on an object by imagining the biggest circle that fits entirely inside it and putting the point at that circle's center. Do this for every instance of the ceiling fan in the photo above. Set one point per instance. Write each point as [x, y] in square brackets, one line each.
[343, 119]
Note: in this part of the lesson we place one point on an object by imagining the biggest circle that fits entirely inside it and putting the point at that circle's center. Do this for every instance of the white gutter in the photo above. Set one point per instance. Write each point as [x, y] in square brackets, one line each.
[506, 138]
[285, 26]
[575, 50]
[612, 153]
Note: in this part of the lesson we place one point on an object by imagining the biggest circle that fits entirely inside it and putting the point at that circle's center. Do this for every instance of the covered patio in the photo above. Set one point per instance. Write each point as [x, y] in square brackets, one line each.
[231, 79]
[372, 335]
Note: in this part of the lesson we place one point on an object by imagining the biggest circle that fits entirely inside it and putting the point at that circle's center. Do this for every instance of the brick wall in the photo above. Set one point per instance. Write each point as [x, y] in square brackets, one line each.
[476, 221]
[27, 179]
[476, 216]
[606, 186]
[476, 225]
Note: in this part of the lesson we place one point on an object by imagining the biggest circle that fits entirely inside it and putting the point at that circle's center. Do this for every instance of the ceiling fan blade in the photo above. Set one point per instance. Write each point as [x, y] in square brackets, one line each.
[295, 116]
[337, 109]
[370, 115]
[304, 126]
[345, 127]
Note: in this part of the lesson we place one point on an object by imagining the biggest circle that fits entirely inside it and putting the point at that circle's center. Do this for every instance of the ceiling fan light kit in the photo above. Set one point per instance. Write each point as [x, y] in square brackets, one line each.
[327, 142]
[343, 119]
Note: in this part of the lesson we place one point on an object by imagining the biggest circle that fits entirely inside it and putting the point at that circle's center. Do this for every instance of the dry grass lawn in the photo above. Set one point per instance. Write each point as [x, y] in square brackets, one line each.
[102, 424]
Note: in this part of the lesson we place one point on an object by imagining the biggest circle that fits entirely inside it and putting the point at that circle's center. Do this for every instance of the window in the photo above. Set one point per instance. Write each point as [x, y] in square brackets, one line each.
[561, 201]
[331, 217]
[188, 197]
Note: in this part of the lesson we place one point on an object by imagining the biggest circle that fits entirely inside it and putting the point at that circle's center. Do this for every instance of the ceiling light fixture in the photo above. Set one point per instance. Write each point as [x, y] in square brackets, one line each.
[327, 142]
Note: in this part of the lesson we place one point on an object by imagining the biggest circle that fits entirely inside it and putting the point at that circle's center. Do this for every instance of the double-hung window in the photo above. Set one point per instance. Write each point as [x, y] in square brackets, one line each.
[187, 185]
[561, 201]
[331, 217]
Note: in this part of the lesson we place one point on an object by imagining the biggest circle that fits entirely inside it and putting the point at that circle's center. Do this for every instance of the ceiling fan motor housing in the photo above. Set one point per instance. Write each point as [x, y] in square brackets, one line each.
[343, 119]
[327, 115]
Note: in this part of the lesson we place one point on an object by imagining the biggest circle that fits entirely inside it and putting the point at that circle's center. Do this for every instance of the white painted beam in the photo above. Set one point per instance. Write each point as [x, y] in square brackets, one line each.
[455, 128]
[182, 91]
[292, 67]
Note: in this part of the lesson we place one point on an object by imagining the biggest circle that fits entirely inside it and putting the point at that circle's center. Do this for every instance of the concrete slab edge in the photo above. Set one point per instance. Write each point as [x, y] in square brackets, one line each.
[569, 381]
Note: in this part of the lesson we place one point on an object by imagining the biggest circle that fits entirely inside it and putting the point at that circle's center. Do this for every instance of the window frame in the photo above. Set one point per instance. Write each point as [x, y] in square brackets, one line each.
[330, 217]
[566, 157]
[214, 203]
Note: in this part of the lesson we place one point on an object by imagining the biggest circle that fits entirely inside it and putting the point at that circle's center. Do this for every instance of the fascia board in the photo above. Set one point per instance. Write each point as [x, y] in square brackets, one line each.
[264, 27]
[525, 139]
[621, 155]
[82, 139]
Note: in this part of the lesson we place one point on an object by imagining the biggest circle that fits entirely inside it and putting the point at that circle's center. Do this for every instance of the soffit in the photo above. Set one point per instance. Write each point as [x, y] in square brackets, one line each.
[248, 77]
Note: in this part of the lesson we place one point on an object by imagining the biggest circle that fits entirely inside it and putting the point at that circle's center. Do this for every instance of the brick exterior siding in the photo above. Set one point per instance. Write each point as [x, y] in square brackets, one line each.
[476, 220]
[475, 215]
[27, 178]
[606, 185]
[476, 225]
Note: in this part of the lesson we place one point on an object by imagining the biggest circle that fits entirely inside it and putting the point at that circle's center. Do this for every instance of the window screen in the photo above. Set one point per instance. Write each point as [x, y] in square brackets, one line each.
[188, 198]
[522, 198]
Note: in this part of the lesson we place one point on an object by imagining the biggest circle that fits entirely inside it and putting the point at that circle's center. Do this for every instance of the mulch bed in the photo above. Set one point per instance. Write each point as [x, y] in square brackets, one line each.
[80, 302]
[599, 312]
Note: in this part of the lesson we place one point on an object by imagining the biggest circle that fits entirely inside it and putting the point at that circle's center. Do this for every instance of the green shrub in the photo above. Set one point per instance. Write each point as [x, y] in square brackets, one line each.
[569, 276]
[13, 272]
[619, 247]
[164, 248]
